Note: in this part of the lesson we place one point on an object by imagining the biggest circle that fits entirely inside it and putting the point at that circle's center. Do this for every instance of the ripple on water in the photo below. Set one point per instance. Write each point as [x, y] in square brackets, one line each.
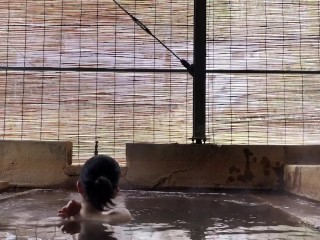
[158, 216]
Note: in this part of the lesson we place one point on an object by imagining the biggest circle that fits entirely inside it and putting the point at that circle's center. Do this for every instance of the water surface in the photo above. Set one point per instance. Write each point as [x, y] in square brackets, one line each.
[156, 215]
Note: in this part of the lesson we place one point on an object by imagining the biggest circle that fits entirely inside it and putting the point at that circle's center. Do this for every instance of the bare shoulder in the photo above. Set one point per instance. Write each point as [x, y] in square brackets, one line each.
[118, 216]
[121, 211]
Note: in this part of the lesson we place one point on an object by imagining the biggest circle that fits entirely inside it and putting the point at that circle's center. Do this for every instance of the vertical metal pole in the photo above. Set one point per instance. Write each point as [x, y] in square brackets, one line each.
[199, 79]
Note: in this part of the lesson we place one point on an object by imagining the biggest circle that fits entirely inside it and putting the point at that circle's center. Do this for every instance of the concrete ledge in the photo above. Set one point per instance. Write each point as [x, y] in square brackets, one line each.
[304, 210]
[73, 170]
[204, 166]
[303, 180]
[10, 195]
[35, 163]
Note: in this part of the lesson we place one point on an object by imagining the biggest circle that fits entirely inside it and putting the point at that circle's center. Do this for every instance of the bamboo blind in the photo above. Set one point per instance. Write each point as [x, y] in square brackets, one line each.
[65, 73]
[277, 101]
[69, 71]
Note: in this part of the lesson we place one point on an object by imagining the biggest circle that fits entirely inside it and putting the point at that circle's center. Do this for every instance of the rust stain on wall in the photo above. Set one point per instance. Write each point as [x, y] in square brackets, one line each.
[247, 175]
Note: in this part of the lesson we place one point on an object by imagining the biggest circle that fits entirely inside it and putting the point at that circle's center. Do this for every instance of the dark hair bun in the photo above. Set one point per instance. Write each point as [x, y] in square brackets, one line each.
[101, 193]
[103, 185]
[99, 177]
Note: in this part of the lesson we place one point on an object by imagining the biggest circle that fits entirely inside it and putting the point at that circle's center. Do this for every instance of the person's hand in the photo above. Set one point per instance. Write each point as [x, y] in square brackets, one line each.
[71, 209]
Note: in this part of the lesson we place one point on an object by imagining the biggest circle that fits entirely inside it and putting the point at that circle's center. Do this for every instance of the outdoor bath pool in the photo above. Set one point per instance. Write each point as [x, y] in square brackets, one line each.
[156, 215]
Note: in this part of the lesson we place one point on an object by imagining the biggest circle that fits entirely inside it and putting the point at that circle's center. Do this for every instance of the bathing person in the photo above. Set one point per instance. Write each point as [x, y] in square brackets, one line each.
[98, 185]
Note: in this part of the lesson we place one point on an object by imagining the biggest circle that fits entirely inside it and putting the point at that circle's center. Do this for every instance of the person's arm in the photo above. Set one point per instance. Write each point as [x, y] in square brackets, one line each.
[119, 216]
[71, 209]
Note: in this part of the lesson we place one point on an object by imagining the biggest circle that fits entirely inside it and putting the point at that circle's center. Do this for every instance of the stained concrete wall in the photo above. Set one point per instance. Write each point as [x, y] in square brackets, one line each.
[48, 164]
[207, 166]
[303, 180]
[302, 171]
[35, 163]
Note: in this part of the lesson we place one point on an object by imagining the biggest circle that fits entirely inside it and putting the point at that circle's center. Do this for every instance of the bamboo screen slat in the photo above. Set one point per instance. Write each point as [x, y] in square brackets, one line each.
[115, 105]
[41, 98]
[280, 104]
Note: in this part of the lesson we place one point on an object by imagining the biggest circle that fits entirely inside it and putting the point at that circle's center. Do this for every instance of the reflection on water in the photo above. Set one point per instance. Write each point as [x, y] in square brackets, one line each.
[157, 215]
[87, 230]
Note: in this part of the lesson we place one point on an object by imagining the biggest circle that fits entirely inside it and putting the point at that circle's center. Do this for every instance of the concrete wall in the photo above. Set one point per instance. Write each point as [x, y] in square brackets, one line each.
[302, 171]
[48, 164]
[303, 180]
[301, 154]
[207, 166]
[35, 163]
